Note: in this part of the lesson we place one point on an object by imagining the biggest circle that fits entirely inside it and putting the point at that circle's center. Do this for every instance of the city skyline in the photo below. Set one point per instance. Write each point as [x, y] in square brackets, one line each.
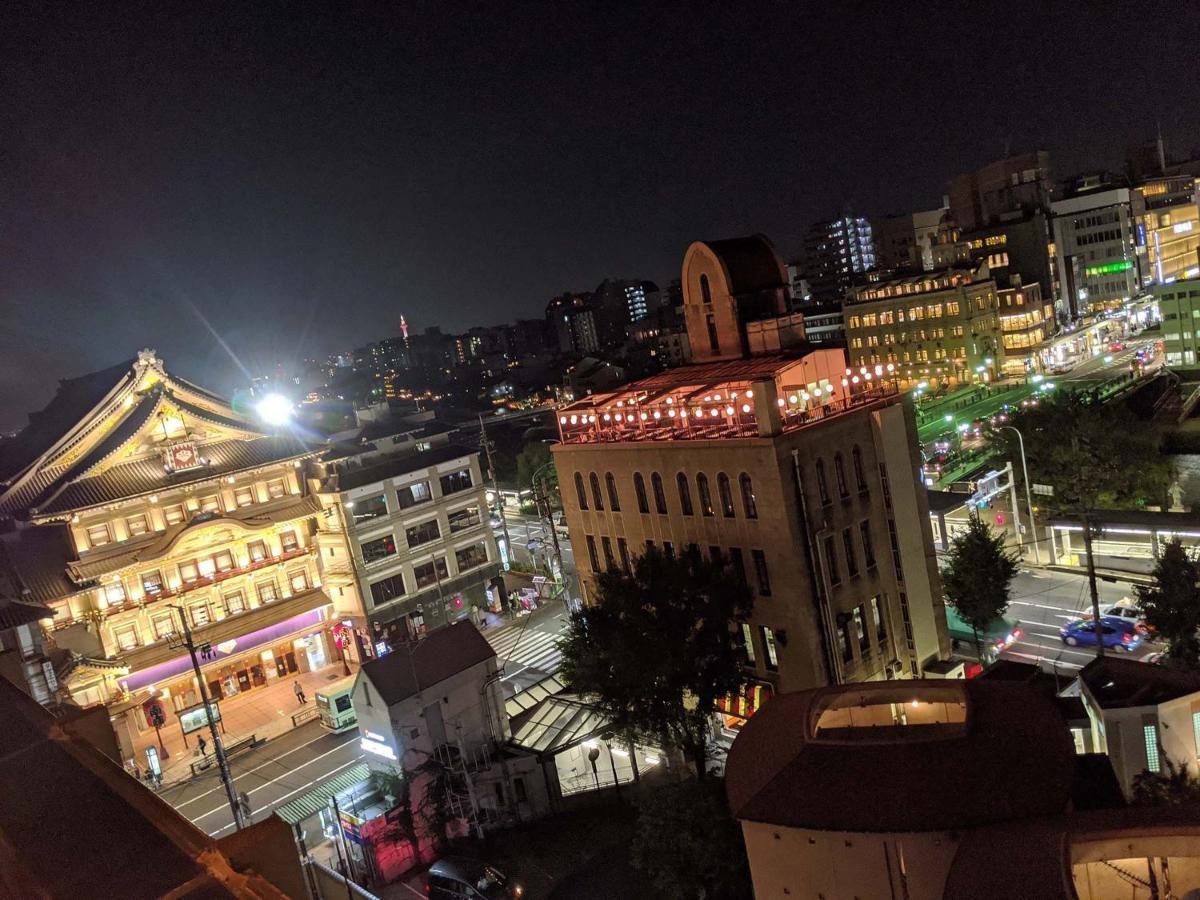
[287, 188]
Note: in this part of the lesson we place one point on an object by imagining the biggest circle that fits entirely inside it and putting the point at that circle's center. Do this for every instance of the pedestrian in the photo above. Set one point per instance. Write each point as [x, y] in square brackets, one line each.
[203, 745]
[299, 689]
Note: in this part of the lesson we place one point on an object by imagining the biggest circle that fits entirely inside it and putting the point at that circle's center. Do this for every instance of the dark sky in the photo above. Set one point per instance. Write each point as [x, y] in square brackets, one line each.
[266, 181]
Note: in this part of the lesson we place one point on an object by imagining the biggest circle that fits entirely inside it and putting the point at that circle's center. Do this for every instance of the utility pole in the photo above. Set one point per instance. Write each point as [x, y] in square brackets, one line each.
[184, 639]
[1091, 570]
[487, 445]
[1037, 547]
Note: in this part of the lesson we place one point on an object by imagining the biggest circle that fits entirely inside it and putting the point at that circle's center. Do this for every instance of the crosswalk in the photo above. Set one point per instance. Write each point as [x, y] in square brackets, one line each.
[525, 652]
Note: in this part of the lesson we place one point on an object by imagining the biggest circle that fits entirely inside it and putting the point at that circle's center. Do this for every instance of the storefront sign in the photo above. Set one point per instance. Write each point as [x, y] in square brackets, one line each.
[352, 828]
[744, 704]
[378, 745]
[194, 719]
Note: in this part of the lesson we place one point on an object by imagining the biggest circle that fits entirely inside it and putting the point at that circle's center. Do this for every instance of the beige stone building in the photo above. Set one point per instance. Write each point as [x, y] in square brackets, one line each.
[943, 327]
[803, 479]
[138, 498]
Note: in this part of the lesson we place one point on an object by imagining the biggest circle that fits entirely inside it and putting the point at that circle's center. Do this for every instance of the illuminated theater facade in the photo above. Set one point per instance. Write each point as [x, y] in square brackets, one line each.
[136, 498]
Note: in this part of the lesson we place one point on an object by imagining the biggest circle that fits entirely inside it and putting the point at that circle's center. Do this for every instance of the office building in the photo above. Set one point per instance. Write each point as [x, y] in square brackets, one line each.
[1097, 250]
[1027, 322]
[1179, 306]
[1015, 184]
[779, 465]
[1017, 244]
[835, 253]
[1167, 213]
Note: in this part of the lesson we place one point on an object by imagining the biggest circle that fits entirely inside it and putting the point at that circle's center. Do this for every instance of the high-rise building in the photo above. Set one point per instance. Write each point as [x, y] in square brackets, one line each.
[1096, 248]
[1014, 184]
[895, 239]
[776, 464]
[1167, 213]
[141, 498]
[834, 253]
[1019, 243]
[617, 304]
[572, 321]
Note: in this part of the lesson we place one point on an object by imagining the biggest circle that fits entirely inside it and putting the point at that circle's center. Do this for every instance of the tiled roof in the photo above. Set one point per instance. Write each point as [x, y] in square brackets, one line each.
[412, 668]
[14, 613]
[129, 426]
[215, 418]
[146, 476]
[39, 555]
[392, 466]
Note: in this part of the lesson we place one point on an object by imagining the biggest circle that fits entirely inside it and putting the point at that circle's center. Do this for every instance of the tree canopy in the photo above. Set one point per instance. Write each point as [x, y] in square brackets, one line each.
[1171, 604]
[977, 576]
[658, 648]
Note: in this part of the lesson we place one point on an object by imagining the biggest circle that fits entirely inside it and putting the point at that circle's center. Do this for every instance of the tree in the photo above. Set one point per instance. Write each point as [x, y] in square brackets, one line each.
[977, 576]
[533, 457]
[658, 648]
[1171, 604]
[1174, 787]
[689, 845]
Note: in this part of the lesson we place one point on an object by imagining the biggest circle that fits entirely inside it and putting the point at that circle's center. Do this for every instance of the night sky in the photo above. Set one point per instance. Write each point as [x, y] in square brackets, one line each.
[274, 181]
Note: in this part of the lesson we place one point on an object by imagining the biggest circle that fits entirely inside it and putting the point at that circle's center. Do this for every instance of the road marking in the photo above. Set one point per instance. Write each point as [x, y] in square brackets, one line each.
[1040, 659]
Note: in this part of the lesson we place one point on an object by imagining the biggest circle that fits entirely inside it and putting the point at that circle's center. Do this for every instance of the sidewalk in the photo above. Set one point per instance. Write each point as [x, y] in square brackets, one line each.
[264, 712]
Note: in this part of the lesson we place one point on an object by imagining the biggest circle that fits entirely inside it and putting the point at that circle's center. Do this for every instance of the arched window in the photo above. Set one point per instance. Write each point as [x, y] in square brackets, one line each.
[748, 503]
[660, 496]
[839, 469]
[705, 290]
[614, 502]
[579, 490]
[597, 497]
[822, 483]
[685, 494]
[639, 490]
[860, 476]
[726, 493]
[706, 507]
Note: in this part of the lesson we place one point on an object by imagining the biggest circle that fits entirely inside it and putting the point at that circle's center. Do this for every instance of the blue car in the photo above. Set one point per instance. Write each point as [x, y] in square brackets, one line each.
[1117, 633]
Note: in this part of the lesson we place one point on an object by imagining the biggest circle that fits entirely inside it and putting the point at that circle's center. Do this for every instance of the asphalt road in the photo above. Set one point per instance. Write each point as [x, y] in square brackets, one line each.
[1043, 602]
[1097, 369]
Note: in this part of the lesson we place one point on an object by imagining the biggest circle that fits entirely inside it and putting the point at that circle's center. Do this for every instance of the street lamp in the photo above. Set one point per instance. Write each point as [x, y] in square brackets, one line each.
[1037, 547]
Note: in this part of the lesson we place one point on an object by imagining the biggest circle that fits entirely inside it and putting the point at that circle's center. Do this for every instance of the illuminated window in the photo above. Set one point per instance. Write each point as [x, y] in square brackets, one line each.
[114, 594]
[189, 571]
[298, 581]
[235, 603]
[267, 592]
[276, 488]
[152, 582]
[288, 541]
[1150, 733]
[748, 643]
[99, 535]
[768, 639]
[200, 615]
[174, 515]
[126, 636]
[137, 525]
[211, 503]
[244, 496]
[163, 625]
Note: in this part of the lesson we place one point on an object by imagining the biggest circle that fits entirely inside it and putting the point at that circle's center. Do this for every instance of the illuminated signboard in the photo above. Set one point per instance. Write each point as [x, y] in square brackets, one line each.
[194, 719]
[1109, 268]
[377, 744]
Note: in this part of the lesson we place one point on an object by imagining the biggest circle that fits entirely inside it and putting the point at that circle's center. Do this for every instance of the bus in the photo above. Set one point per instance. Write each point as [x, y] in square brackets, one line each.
[335, 705]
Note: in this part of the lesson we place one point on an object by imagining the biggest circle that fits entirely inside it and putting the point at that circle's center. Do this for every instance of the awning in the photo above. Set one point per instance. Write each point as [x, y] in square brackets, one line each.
[523, 701]
[296, 811]
[560, 723]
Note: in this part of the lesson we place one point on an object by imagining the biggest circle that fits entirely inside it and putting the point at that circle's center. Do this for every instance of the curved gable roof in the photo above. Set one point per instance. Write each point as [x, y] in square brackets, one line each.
[751, 263]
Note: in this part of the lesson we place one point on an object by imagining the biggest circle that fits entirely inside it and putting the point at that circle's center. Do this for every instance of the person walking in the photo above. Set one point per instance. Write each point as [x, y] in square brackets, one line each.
[299, 689]
[203, 745]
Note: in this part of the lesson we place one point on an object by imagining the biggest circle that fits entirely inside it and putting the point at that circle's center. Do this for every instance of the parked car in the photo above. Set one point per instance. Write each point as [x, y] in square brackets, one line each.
[1117, 633]
[1127, 608]
[460, 878]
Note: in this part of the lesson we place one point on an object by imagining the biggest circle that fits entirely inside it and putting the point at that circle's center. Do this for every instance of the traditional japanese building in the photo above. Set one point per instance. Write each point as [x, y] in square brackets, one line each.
[136, 498]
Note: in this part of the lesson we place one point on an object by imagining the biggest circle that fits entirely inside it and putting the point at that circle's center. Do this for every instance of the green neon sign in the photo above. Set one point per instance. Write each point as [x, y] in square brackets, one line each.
[1109, 268]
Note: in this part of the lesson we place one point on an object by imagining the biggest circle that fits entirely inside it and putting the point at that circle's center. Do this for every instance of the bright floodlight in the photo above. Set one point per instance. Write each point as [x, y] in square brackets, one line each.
[274, 409]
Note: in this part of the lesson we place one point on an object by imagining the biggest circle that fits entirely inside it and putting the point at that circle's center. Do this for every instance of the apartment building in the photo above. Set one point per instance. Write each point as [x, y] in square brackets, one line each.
[422, 551]
[940, 327]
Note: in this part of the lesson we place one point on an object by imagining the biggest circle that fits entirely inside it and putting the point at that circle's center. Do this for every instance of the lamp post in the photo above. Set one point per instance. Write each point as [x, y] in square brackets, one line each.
[1037, 547]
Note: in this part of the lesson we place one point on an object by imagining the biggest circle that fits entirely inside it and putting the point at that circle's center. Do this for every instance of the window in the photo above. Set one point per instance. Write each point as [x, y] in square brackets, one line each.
[749, 505]
[455, 482]
[760, 571]
[668, 550]
[843, 638]
[726, 494]
[864, 531]
[839, 469]
[614, 501]
[163, 625]
[423, 533]
[706, 505]
[414, 494]
[685, 494]
[716, 556]
[364, 509]
[597, 497]
[610, 562]
[860, 477]
[623, 552]
[114, 595]
[210, 504]
[738, 563]
[831, 566]
[200, 615]
[580, 493]
[877, 615]
[639, 490]
[298, 581]
[267, 592]
[592, 557]
[288, 541]
[748, 643]
[126, 636]
[257, 551]
[887, 488]
[223, 561]
[462, 519]
[152, 583]
[380, 548]
[860, 629]
[243, 496]
[1150, 734]
[705, 291]
[387, 589]
[99, 535]
[768, 639]
[848, 546]
[188, 571]
[660, 496]
[137, 525]
[471, 557]
[235, 603]
[174, 515]
[822, 484]
[276, 488]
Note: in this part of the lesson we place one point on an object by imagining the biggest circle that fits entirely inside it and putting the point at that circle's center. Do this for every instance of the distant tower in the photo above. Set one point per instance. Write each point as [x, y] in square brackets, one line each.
[404, 330]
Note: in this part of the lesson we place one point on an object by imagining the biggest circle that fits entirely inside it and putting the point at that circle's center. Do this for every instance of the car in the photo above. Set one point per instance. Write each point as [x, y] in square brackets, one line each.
[462, 878]
[1126, 608]
[999, 635]
[1116, 346]
[1117, 633]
